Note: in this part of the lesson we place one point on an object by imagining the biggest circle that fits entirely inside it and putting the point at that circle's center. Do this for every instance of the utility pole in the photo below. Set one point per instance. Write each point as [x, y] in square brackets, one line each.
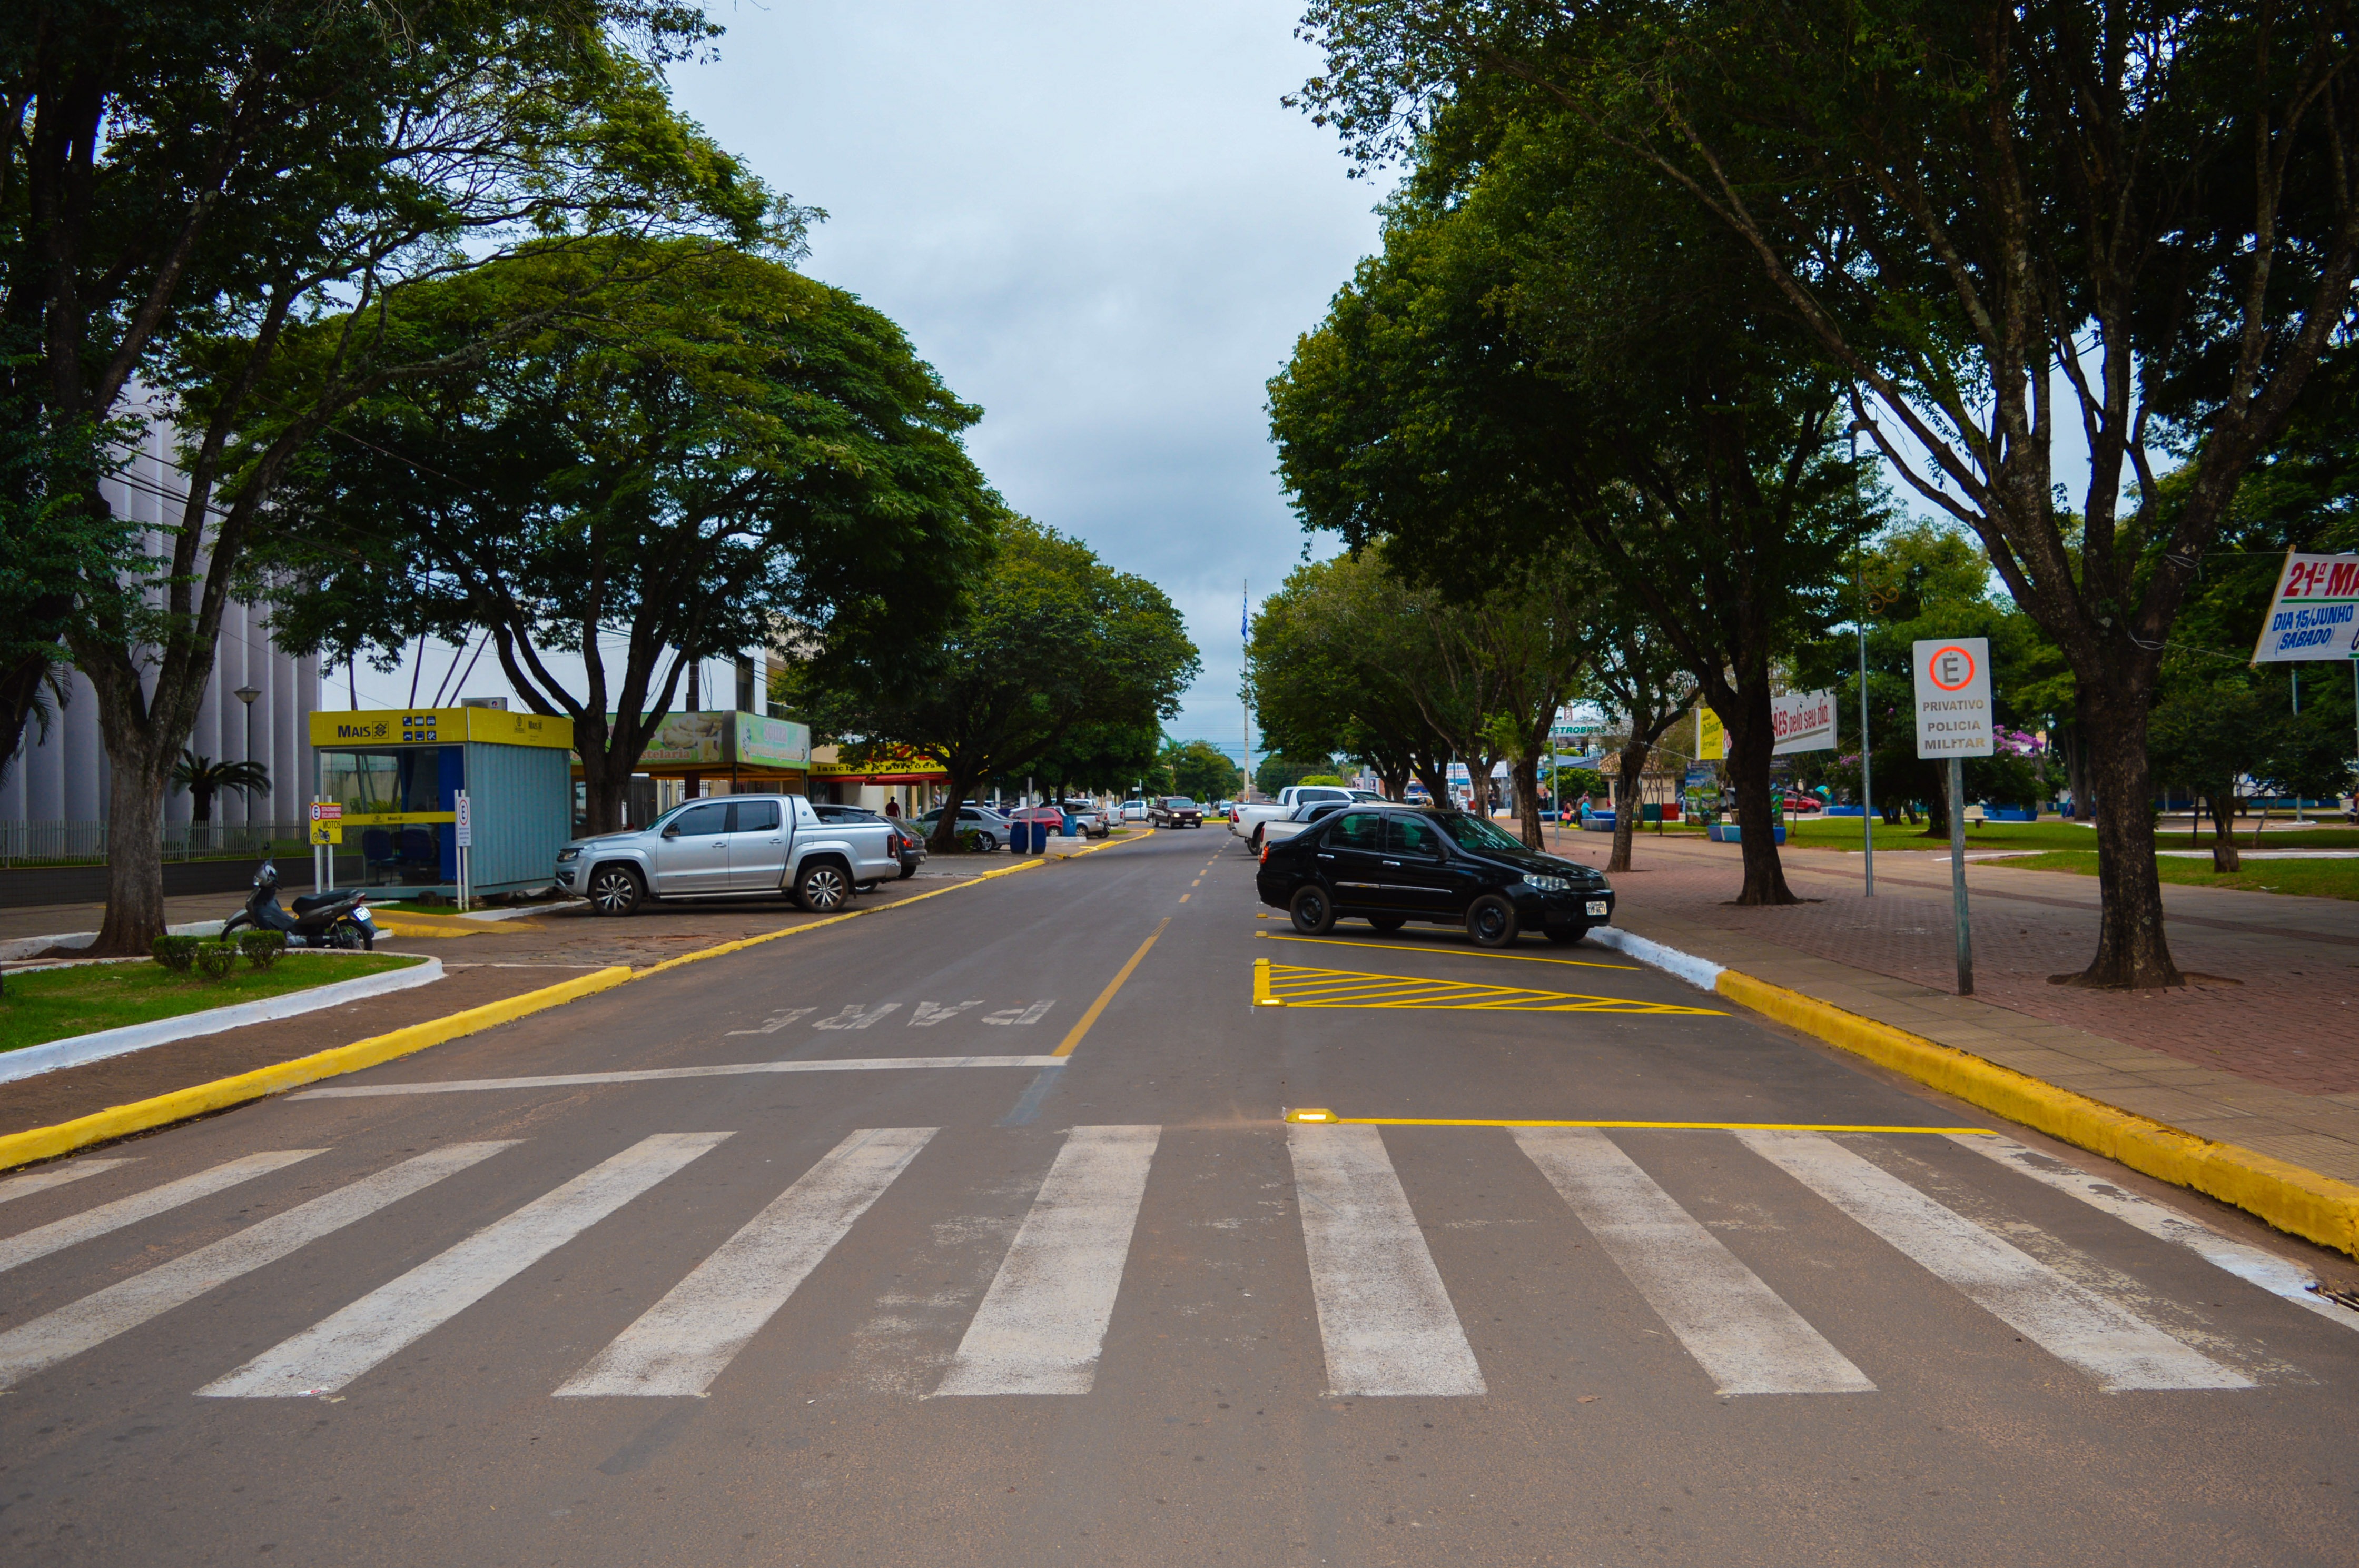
[1866, 780]
[1244, 678]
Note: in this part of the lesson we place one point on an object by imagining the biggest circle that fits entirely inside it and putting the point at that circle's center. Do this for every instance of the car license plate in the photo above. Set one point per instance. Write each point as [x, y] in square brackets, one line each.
[1598, 906]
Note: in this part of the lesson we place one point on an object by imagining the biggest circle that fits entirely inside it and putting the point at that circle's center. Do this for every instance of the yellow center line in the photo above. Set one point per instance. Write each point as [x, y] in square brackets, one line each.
[1443, 952]
[1324, 1117]
[1183, 898]
[1073, 1036]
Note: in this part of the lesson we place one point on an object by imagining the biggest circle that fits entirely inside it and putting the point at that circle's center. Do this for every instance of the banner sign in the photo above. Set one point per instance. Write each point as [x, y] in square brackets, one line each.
[1711, 736]
[1802, 721]
[2315, 613]
[1953, 697]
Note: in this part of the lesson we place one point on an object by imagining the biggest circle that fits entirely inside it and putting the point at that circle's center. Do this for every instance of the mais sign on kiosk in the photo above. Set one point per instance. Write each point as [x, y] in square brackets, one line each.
[394, 776]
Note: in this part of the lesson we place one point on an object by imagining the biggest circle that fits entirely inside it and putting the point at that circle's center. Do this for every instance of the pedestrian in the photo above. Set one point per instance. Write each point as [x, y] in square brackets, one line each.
[892, 808]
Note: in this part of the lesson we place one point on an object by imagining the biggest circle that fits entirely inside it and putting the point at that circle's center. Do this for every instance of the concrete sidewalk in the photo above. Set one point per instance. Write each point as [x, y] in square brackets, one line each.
[2262, 1052]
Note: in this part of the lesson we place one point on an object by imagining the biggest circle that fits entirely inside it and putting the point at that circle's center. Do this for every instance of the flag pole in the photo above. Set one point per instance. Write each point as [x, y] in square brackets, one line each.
[1245, 681]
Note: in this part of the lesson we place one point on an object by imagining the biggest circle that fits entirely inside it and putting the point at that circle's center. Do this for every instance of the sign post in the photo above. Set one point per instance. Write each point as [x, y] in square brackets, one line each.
[1953, 722]
[327, 829]
[465, 836]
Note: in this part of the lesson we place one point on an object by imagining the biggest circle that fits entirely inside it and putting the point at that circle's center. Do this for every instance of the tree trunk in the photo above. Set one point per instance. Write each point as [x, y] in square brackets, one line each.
[1750, 742]
[2223, 837]
[2132, 949]
[134, 856]
[944, 838]
[1527, 800]
[1628, 784]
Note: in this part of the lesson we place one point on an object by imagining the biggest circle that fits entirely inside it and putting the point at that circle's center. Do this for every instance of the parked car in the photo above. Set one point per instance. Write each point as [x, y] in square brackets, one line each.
[1389, 865]
[1051, 818]
[1300, 817]
[1090, 821]
[1247, 820]
[1133, 810]
[908, 844]
[1175, 811]
[731, 844]
[980, 819]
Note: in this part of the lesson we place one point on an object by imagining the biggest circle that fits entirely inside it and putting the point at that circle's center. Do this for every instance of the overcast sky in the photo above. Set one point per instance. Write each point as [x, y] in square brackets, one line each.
[1098, 222]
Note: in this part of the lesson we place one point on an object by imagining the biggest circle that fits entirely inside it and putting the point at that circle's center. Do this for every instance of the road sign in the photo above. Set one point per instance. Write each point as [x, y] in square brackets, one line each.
[1802, 721]
[327, 811]
[326, 832]
[465, 822]
[2315, 613]
[1953, 698]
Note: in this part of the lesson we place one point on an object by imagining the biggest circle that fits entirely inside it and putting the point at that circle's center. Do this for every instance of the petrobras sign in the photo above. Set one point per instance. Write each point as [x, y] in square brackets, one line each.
[2315, 613]
[1802, 721]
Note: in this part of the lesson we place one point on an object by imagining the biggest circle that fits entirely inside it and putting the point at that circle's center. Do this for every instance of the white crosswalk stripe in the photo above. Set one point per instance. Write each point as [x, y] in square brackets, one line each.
[100, 1316]
[1737, 1327]
[23, 1248]
[1384, 1312]
[687, 1339]
[2278, 1276]
[326, 1356]
[41, 1181]
[2070, 1322]
[1043, 1322]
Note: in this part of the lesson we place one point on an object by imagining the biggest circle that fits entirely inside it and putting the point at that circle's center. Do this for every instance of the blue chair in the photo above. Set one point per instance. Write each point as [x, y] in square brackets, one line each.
[377, 852]
[418, 849]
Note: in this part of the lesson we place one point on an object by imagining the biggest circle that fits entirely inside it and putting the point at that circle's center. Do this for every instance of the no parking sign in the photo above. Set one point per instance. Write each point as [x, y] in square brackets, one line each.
[1953, 698]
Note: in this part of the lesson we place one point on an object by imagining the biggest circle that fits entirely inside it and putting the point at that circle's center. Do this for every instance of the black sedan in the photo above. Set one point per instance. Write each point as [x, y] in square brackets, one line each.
[1390, 865]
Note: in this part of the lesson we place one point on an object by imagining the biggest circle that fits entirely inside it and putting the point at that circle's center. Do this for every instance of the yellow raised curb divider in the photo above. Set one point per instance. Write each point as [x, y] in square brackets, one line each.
[162, 1110]
[2308, 1205]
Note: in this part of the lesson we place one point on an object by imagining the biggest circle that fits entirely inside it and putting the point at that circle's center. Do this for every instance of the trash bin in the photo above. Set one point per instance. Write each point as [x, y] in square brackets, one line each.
[1023, 837]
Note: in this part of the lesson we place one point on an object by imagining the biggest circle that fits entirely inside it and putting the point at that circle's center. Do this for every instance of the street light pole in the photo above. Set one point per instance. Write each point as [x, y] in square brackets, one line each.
[246, 694]
[1866, 771]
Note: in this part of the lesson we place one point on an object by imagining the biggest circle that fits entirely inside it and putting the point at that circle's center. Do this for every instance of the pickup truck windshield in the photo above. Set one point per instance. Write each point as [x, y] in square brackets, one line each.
[1474, 833]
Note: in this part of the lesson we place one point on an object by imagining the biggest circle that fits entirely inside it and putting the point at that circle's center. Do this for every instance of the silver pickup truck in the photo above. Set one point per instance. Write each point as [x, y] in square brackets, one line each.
[733, 844]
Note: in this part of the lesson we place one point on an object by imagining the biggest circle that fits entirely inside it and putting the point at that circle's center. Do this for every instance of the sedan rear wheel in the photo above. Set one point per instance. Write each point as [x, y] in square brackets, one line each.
[1491, 920]
[1314, 911]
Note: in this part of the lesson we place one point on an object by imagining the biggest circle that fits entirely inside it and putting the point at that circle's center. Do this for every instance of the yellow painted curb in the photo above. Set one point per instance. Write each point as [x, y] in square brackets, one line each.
[140, 1116]
[2308, 1205]
[121, 1120]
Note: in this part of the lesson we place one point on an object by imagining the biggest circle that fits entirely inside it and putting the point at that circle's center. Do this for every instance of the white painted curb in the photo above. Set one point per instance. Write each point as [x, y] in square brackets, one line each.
[34, 1060]
[26, 947]
[1701, 973]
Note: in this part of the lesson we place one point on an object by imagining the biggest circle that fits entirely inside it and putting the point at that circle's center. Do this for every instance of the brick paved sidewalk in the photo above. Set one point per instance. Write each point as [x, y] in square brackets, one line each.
[2271, 1062]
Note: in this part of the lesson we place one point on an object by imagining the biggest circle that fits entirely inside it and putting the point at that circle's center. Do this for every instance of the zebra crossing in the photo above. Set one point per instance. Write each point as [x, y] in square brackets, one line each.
[1385, 1317]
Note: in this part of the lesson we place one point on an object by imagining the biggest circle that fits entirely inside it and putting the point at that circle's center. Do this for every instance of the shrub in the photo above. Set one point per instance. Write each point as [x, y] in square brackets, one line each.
[971, 840]
[176, 953]
[262, 948]
[216, 959]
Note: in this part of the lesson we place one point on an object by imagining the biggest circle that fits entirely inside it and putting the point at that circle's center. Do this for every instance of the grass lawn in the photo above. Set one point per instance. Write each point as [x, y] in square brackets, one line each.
[52, 1004]
[2310, 879]
[1842, 833]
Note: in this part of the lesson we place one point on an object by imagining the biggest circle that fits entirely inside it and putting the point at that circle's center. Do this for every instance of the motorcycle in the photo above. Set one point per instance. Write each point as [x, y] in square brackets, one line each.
[335, 918]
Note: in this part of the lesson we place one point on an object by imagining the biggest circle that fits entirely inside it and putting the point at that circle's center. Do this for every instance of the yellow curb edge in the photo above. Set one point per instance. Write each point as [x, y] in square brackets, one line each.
[2305, 1202]
[141, 1115]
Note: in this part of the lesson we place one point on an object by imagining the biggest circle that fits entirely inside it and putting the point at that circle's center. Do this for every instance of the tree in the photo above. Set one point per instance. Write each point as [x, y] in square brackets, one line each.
[1050, 642]
[181, 184]
[1640, 678]
[1327, 668]
[666, 473]
[1200, 770]
[203, 778]
[1967, 206]
[1106, 756]
[1551, 354]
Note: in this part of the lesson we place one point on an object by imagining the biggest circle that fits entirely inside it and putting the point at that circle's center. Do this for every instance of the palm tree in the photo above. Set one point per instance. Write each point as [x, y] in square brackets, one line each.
[203, 778]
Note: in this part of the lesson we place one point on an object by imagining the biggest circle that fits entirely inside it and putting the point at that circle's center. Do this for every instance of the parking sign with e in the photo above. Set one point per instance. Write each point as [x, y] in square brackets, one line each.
[1953, 698]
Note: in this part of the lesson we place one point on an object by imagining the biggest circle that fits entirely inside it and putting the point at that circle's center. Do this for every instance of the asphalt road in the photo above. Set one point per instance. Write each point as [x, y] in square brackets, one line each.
[632, 1283]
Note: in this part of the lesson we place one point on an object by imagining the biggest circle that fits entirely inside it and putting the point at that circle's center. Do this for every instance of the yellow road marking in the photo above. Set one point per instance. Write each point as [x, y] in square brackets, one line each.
[1288, 984]
[1328, 1116]
[1184, 897]
[1445, 952]
[1073, 1036]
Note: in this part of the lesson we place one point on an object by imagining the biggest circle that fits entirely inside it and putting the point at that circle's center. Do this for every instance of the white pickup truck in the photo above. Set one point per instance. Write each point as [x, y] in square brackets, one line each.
[730, 844]
[1247, 820]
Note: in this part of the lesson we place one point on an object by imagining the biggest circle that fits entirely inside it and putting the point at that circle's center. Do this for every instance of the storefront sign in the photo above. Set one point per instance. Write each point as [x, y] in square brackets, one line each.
[767, 743]
[1802, 721]
[2315, 613]
[372, 728]
[1953, 698]
[688, 738]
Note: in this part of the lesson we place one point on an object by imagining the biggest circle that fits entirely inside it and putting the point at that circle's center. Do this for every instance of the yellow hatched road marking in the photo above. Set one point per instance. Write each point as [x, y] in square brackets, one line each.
[1329, 1116]
[1443, 952]
[1288, 984]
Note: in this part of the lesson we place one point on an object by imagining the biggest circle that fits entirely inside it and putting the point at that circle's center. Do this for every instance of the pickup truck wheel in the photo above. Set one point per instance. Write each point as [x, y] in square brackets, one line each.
[1491, 920]
[1253, 843]
[615, 889]
[823, 888]
[1312, 911]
